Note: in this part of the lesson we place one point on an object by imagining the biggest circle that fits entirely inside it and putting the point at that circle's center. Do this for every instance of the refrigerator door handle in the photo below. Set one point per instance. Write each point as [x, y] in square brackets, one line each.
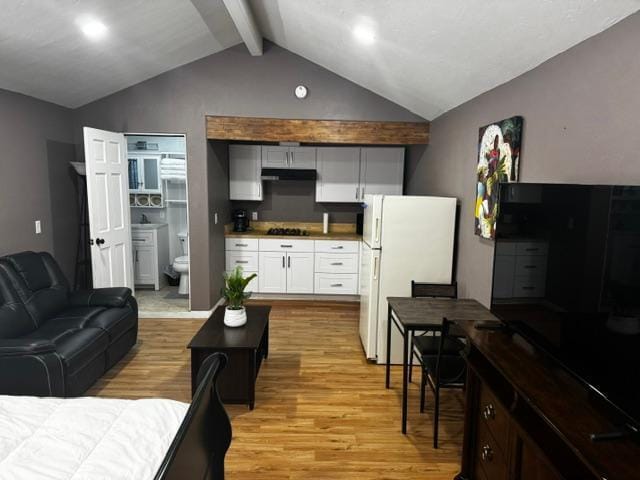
[375, 268]
[377, 230]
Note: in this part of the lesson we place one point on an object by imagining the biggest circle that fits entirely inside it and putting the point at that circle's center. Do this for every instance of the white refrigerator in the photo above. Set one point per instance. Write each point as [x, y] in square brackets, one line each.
[404, 238]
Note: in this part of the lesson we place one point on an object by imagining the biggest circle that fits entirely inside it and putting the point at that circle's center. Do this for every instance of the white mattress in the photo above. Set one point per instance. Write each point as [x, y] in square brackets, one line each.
[85, 438]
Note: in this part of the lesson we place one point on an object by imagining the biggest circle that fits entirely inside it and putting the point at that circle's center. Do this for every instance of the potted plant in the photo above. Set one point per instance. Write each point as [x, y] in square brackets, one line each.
[235, 314]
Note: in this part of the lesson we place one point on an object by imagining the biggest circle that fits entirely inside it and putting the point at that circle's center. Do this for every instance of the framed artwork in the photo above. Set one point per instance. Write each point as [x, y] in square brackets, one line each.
[498, 162]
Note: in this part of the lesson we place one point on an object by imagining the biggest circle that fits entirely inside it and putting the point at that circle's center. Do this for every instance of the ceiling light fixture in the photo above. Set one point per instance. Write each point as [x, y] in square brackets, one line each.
[364, 34]
[92, 28]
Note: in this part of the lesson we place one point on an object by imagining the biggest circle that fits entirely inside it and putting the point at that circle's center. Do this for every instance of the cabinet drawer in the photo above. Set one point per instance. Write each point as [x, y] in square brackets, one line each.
[529, 287]
[336, 263]
[249, 244]
[531, 248]
[495, 417]
[247, 260]
[336, 246]
[285, 245]
[531, 265]
[336, 283]
[142, 238]
[489, 456]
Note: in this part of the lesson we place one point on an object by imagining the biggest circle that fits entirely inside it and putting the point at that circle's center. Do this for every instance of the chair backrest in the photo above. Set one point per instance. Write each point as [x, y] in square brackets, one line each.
[40, 284]
[435, 290]
[14, 319]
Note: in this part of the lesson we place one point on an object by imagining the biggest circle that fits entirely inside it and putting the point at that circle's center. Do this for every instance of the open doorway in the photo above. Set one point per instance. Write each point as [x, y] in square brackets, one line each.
[158, 201]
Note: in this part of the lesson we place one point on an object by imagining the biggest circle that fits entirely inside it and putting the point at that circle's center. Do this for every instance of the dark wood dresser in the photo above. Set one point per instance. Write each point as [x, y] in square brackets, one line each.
[527, 419]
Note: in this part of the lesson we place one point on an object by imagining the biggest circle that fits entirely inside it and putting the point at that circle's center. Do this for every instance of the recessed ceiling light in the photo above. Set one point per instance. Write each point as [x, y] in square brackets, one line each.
[364, 34]
[92, 28]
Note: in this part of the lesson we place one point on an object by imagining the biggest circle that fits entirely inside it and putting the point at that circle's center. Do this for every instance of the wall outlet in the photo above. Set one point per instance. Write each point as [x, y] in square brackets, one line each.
[254, 216]
[38, 227]
[215, 218]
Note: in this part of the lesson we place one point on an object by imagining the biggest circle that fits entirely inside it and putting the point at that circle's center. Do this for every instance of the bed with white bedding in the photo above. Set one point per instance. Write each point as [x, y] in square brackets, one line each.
[92, 438]
[85, 438]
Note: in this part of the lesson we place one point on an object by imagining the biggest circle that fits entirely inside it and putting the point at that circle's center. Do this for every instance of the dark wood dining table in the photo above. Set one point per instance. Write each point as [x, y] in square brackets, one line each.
[411, 315]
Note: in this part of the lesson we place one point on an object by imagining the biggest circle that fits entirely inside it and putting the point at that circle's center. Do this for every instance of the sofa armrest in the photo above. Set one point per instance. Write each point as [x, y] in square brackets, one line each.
[30, 367]
[101, 297]
[18, 346]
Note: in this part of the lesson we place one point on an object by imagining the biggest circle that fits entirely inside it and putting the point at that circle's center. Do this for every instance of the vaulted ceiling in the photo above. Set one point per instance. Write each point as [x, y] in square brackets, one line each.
[426, 55]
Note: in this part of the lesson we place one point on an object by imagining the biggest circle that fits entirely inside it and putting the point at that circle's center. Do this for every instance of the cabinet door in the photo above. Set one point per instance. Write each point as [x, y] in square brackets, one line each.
[275, 156]
[151, 174]
[504, 275]
[300, 272]
[244, 172]
[144, 265]
[272, 274]
[338, 174]
[381, 171]
[302, 157]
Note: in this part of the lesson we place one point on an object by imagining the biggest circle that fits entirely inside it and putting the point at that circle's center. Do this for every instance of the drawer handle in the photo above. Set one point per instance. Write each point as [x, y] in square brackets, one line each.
[336, 284]
[286, 246]
[337, 263]
[242, 261]
[339, 247]
[139, 239]
[487, 453]
[242, 245]
[489, 412]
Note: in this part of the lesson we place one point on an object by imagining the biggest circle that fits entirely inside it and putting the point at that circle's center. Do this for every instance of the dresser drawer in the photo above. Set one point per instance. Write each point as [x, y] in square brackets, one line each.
[337, 246]
[285, 245]
[247, 244]
[489, 457]
[336, 283]
[531, 265]
[142, 238]
[529, 287]
[247, 260]
[531, 248]
[495, 417]
[336, 263]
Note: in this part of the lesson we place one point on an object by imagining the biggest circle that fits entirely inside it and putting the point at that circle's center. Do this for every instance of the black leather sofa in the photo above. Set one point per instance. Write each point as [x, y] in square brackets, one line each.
[54, 342]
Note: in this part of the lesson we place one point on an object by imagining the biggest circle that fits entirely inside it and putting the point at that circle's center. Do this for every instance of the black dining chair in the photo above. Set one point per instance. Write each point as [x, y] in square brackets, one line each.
[446, 369]
[425, 344]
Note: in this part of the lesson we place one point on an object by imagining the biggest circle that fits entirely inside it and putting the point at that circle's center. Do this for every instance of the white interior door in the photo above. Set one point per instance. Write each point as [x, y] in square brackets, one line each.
[108, 201]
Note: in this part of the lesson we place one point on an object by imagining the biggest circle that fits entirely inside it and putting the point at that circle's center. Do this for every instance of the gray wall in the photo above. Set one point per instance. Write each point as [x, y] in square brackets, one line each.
[34, 137]
[228, 83]
[581, 113]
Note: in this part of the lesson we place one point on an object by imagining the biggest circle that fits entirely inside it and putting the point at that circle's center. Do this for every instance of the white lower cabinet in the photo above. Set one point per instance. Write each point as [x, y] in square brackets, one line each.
[144, 264]
[150, 250]
[300, 272]
[336, 267]
[272, 272]
[336, 283]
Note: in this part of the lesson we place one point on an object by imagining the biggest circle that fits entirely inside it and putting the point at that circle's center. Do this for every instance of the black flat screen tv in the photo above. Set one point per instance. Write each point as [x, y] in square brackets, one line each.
[567, 278]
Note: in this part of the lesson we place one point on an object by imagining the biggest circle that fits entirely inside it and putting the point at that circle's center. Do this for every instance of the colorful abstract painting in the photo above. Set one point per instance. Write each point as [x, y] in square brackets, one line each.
[498, 162]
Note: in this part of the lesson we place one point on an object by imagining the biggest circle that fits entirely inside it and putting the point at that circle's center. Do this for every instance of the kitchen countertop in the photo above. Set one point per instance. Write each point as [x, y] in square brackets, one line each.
[311, 236]
[337, 231]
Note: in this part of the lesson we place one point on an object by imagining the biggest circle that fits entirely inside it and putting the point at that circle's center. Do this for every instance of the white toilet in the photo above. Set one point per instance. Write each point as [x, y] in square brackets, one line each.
[181, 264]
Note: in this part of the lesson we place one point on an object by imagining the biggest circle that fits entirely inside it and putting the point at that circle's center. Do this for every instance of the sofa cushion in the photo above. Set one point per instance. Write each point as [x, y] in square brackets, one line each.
[114, 321]
[39, 283]
[65, 324]
[80, 347]
[14, 319]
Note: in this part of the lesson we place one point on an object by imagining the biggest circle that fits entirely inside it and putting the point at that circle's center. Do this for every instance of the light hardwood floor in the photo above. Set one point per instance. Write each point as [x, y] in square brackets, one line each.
[322, 411]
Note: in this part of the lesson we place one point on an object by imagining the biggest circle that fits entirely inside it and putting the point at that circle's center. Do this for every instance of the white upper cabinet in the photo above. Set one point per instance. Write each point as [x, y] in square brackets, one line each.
[276, 156]
[381, 171]
[244, 172]
[144, 173]
[338, 174]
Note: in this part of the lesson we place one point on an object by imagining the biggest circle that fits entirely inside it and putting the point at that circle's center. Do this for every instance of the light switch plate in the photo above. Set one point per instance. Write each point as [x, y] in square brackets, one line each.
[38, 227]
[254, 216]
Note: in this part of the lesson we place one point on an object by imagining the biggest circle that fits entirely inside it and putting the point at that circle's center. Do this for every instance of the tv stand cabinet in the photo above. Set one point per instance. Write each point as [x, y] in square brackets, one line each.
[527, 419]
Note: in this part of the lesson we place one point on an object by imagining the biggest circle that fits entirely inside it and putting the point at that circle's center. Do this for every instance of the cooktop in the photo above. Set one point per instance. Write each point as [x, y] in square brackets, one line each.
[293, 232]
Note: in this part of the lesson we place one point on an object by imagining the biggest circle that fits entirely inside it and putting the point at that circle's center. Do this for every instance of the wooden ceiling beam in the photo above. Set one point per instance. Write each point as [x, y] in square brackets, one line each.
[317, 131]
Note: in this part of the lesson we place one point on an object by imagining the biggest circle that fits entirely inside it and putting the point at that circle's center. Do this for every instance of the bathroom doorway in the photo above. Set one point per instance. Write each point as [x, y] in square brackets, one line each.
[158, 201]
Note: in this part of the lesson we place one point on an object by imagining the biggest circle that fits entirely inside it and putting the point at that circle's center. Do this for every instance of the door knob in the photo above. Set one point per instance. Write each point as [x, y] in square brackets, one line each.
[99, 241]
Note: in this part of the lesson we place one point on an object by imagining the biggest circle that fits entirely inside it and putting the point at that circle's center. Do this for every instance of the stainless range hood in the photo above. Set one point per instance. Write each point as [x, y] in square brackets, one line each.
[288, 174]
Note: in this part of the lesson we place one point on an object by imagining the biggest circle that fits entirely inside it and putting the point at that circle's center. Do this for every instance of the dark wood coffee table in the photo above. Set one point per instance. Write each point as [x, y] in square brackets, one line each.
[245, 346]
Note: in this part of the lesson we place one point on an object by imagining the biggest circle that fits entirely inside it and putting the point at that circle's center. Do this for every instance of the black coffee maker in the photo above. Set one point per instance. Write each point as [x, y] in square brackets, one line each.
[240, 221]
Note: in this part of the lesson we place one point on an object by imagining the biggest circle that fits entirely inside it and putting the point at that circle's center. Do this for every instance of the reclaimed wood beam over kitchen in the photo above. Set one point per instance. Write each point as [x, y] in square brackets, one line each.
[317, 131]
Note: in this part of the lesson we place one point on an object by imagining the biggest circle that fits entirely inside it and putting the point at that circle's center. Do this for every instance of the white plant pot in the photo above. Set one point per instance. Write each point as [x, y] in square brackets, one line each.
[235, 318]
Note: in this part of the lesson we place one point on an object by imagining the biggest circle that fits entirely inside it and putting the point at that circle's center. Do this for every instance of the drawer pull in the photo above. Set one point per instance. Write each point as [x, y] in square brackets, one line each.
[139, 239]
[336, 284]
[489, 412]
[286, 246]
[487, 453]
[242, 261]
[242, 244]
[339, 247]
[337, 263]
